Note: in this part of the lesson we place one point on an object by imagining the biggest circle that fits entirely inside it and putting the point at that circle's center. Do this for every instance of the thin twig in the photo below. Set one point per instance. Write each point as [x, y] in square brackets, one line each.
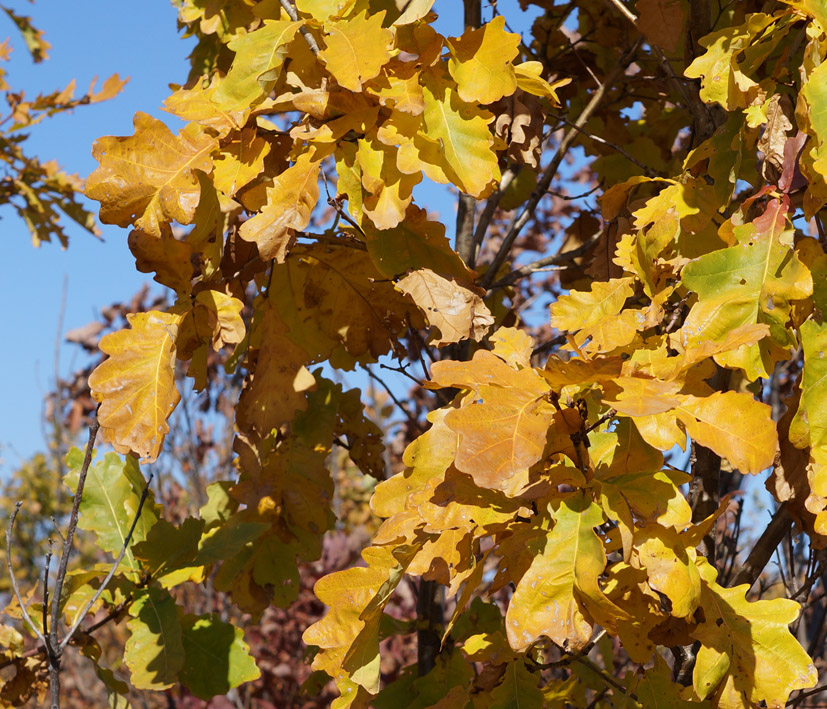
[396, 401]
[490, 208]
[70, 531]
[308, 37]
[551, 170]
[45, 607]
[91, 602]
[597, 139]
[542, 263]
[14, 587]
[763, 549]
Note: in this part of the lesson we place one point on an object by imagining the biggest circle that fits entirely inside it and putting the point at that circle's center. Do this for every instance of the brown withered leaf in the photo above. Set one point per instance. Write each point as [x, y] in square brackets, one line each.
[135, 386]
[290, 201]
[456, 310]
[519, 122]
[148, 179]
[662, 22]
[779, 128]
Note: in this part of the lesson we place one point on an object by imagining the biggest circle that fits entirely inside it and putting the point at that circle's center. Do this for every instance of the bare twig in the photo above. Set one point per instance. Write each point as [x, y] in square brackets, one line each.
[308, 36]
[14, 587]
[763, 549]
[542, 263]
[551, 170]
[597, 139]
[91, 602]
[490, 208]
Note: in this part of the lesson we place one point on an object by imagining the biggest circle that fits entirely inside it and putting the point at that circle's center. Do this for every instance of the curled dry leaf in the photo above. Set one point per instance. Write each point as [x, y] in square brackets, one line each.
[455, 309]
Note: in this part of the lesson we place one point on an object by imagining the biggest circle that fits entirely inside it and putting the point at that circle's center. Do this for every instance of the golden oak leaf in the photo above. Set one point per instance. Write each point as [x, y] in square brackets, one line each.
[530, 80]
[636, 396]
[356, 49]
[214, 319]
[456, 310]
[560, 373]
[626, 587]
[348, 635]
[280, 379]
[169, 259]
[661, 430]
[240, 161]
[734, 425]
[507, 431]
[451, 500]
[389, 191]
[588, 312]
[196, 104]
[560, 595]
[290, 201]
[425, 457]
[443, 556]
[336, 304]
[460, 142]
[481, 62]
[670, 567]
[749, 644]
[323, 9]
[148, 179]
[501, 436]
[513, 346]
[398, 87]
[135, 386]
[417, 242]
[259, 56]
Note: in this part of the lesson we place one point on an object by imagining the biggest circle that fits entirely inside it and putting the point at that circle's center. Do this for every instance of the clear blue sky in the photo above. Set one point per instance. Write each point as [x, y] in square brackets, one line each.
[89, 38]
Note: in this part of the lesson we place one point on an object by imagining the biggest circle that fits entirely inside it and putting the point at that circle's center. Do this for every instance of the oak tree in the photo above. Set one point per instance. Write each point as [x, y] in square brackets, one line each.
[655, 174]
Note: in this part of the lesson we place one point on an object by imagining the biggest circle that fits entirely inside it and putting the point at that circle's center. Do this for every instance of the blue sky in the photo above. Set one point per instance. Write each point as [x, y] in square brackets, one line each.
[89, 38]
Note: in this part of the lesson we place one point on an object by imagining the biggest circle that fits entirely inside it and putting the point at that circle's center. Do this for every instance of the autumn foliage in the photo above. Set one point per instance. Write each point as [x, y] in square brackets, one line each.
[562, 487]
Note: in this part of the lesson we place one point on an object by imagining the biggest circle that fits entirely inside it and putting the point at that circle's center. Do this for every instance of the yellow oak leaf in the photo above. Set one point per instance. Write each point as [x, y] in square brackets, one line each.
[323, 9]
[417, 242]
[389, 191]
[278, 385]
[734, 425]
[426, 457]
[337, 305]
[356, 49]
[196, 104]
[460, 142]
[148, 179]
[290, 201]
[481, 62]
[530, 80]
[560, 595]
[259, 56]
[670, 567]
[456, 310]
[398, 87]
[443, 556]
[636, 396]
[749, 644]
[348, 635]
[240, 161]
[135, 386]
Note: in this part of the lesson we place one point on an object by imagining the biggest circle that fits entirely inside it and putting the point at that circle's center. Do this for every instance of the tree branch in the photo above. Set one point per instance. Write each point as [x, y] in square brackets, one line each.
[551, 170]
[14, 587]
[764, 548]
[91, 602]
[308, 36]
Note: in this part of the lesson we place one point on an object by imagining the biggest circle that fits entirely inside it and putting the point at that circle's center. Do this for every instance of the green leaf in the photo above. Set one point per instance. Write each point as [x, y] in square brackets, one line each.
[754, 281]
[217, 658]
[110, 500]
[154, 652]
